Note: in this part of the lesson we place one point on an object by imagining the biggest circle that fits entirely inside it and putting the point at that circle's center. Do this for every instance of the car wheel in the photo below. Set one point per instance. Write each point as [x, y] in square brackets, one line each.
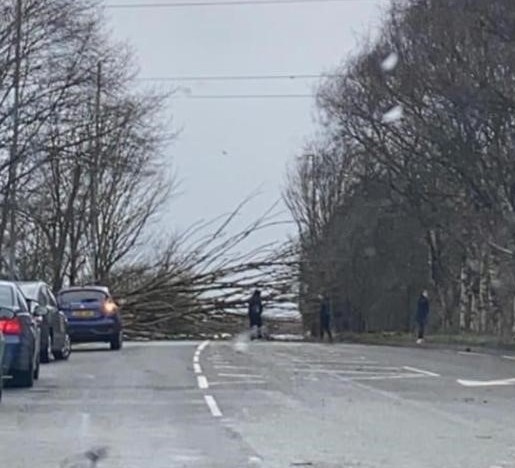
[24, 379]
[117, 341]
[36, 370]
[44, 355]
[65, 351]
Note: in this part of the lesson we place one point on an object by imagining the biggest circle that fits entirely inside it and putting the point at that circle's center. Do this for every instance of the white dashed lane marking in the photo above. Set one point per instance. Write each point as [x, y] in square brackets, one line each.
[202, 382]
[486, 383]
[213, 406]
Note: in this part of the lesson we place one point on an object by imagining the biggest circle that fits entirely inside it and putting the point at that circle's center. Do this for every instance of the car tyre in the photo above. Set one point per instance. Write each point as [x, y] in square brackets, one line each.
[64, 353]
[44, 355]
[116, 341]
[36, 370]
[24, 379]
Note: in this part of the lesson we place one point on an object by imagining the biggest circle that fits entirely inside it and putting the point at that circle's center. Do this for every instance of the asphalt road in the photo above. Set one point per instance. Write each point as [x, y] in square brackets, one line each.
[187, 404]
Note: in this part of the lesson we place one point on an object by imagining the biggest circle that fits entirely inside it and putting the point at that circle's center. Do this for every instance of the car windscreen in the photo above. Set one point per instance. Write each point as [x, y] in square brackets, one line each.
[80, 296]
[6, 296]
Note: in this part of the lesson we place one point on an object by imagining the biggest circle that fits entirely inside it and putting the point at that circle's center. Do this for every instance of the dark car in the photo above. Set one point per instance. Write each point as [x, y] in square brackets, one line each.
[2, 346]
[22, 332]
[93, 315]
[55, 340]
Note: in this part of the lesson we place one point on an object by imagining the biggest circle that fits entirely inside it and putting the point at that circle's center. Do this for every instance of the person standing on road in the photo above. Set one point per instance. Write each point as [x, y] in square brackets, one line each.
[422, 314]
[325, 318]
[255, 311]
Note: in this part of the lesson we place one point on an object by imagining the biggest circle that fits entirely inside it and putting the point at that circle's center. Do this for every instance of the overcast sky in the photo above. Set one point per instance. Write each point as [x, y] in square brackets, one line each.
[229, 148]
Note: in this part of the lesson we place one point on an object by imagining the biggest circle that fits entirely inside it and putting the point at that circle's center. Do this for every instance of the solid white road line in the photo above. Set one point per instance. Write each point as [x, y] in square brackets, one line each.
[219, 366]
[238, 382]
[421, 371]
[486, 383]
[387, 377]
[196, 368]
[213, 406]
[250, 376]
[509, 357]
[202, 382]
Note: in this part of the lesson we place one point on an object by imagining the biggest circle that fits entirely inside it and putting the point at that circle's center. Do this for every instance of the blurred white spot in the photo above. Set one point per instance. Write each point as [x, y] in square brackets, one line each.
[393, 115]
[241, 342]
[255, 461]
[390, 62]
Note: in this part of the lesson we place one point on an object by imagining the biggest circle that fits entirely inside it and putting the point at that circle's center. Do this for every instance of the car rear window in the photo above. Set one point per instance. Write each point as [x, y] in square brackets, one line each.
[82, 295]
[6, 296]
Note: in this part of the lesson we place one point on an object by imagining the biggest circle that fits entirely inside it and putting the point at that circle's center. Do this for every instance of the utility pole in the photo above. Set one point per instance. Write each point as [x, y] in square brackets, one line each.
[94, 175]
[13, 159]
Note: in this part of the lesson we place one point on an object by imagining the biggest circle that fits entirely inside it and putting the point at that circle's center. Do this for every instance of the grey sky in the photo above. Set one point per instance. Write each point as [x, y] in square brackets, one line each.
[230, 148]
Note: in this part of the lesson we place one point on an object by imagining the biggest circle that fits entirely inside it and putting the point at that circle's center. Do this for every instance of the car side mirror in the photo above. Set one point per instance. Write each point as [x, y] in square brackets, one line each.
[40, 311]
[36, 309]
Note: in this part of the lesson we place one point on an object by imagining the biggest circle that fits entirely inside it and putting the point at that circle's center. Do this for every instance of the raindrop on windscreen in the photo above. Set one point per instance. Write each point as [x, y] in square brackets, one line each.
[393, 115]
[390, 62]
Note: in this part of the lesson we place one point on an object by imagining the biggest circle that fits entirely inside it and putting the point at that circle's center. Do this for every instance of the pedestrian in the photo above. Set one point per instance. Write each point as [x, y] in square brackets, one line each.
[255, 311]
[325, 318]
[422, 314]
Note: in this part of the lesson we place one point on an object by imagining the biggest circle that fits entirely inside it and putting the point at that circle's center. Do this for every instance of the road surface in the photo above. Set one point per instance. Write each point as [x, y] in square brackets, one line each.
[192, 404]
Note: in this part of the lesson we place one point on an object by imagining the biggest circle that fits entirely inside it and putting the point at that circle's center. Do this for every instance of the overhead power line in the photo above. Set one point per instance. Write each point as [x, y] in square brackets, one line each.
[304, 76]
[244, 96]
[218, 3]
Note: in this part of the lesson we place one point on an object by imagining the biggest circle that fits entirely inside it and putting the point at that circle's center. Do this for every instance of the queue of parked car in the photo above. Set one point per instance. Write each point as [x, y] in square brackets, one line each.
[37, 326]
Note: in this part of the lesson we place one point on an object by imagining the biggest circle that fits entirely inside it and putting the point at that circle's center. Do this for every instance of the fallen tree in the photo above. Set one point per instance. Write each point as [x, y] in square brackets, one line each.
[203, 287]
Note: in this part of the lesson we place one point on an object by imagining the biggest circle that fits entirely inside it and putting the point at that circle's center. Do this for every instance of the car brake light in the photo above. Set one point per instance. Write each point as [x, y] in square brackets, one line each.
[11, 327]
[109, 308]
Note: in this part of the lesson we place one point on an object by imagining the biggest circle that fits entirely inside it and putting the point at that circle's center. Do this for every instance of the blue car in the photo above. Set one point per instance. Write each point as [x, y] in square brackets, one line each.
[93, 315]
[20, 326]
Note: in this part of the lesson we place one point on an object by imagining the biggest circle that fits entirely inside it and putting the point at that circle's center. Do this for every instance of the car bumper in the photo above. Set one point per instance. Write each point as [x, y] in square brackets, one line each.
[17, 356]
[93, 330]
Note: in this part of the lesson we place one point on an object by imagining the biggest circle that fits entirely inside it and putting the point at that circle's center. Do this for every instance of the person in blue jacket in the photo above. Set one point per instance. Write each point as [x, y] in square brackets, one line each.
[422, 315]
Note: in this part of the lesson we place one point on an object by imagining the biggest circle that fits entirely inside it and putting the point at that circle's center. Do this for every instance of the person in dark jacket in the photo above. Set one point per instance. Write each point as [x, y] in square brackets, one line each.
[255, 311]
[422, 314]
[325, 318]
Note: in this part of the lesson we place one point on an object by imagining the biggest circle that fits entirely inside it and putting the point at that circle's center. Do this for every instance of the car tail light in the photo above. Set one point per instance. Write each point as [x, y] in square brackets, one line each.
[11, 327]
[109, 308]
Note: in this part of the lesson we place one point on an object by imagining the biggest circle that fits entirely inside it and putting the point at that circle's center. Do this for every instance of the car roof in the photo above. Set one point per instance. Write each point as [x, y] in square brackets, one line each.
[30, 283]
[8, 283]
[103, 289]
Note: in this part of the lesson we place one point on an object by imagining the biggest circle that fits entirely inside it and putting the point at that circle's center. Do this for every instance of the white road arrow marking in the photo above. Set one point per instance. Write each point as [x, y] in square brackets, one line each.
[486, 383]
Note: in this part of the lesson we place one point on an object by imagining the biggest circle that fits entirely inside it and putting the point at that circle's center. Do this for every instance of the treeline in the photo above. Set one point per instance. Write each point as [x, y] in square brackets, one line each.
[82, 172]
[412, 183]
